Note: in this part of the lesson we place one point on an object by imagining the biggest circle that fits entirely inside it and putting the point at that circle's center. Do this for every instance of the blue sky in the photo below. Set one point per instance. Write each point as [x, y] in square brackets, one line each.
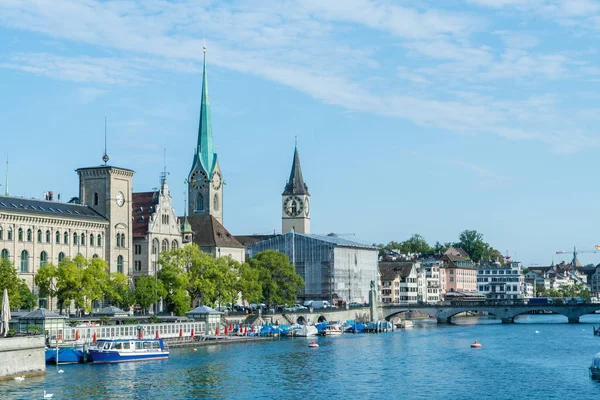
[412, 116]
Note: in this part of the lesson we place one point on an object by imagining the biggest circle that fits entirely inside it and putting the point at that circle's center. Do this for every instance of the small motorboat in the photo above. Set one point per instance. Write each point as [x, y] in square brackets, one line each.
[595, 367]
[476, 345]
[405, 324]
[332, 330]
[313, 344]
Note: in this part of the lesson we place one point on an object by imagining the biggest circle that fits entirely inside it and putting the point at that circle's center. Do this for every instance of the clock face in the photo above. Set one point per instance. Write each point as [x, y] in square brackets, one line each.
[306, 207]
[198, 179]
[120, 198]
[293, 206]
[217, 181]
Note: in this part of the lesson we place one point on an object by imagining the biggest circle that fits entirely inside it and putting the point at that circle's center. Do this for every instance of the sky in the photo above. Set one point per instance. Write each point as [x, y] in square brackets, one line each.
[413, 116]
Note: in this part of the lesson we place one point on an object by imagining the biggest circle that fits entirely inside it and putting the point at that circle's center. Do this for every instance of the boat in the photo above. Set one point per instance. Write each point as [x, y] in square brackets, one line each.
[66, 355]
[476, 345]
[306, 331]
[353, 327]
[128, 350]
[405, 324]
[596, 330]
[313, 344]
[332, 330]
[595, 367]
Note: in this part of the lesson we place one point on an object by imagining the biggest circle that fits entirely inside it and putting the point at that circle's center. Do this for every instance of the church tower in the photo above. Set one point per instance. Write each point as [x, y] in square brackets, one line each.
[205, 182]
[296, 201]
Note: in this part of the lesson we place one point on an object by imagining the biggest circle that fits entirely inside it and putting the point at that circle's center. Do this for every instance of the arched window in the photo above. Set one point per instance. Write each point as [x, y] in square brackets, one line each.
[48, 236]
[99, 240]
[4, 254]
[43, 258]
[199, 202]
[61, 256]
[9, 236]
[154, 246]
[216, 202]
[57, 237]
[29, 235]
[24, 261]
[174, 245]
[66, 238]
[83, 243]
[95, 199]
[120, 264]
[39, 236]
[75, 242]
[91, 239]
[165, 246]
[123, 240]
[95, 256]
[118, 240]
[20, 234]
[1, 234]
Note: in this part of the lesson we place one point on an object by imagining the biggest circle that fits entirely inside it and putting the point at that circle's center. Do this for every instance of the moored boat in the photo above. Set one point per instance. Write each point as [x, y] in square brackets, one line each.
[65, 355]
[306, 331]
[332, 330]
[128, 350]
[595, 367]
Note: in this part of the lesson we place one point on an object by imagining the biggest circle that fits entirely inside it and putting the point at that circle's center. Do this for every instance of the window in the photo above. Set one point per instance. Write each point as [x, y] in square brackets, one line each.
[137, 249]
[20, 234]
[75, 241]
[47, 236]
[216, 202]
[9, 236]
[137, 266]
[66, 238]
[91, 239]
[95, 199]
[4, 254]
[57, 237]
[1, 234]
[123, 240]
[43, 258]
[199, 202]
[24, 261]
[165, 246]
[174, 245]
[83, 239]
[61, 256]
[118, 240]
[120, 264]
[29, 235]
[99, 240]
[154, 246]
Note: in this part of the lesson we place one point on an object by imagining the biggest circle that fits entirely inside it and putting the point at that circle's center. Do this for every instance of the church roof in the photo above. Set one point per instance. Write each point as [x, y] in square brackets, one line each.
[296, 184]
[144, 205]
[208, 232]
[20, 205]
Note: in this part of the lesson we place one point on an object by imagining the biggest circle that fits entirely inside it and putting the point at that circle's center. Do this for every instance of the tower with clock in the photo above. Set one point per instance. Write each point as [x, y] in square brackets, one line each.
[295, 201]
[205, 182]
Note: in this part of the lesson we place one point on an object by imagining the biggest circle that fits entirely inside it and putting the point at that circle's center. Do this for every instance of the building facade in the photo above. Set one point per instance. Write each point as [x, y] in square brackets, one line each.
[501, 282]
[458, 273]
[398, 282]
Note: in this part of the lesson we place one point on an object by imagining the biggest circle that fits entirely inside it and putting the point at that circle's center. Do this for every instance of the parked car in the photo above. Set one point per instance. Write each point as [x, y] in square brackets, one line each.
[299, 307]
[355, 304]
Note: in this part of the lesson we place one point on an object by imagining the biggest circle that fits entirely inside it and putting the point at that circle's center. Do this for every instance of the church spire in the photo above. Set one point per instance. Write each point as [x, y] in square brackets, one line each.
[296, 184]
[205, 150]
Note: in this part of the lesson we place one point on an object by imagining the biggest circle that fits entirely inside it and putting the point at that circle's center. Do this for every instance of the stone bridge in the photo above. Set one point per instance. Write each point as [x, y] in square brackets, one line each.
[507, 313]
[316, 316]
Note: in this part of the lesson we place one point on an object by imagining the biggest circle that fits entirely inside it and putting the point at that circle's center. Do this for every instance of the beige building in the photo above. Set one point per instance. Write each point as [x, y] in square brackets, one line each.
[398, 282]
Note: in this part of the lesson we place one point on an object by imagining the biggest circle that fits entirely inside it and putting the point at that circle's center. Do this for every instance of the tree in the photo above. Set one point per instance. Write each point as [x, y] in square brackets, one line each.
[94, 278]
[118, 291]
[472, 242]
[147, 291]
[45, 280]
[248, 284]
[279, 280]
[10, 281]
[415, 244]
[68, 283]
[27, 299]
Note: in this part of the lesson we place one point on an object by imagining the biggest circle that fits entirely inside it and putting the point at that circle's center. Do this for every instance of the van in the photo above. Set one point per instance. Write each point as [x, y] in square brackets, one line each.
[319, 304]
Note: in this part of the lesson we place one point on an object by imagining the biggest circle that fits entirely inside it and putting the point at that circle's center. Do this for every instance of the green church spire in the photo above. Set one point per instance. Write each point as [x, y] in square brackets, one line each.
[205, 151]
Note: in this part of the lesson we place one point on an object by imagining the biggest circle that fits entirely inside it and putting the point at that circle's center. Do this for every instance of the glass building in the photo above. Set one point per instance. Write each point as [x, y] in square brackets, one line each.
[333, 268]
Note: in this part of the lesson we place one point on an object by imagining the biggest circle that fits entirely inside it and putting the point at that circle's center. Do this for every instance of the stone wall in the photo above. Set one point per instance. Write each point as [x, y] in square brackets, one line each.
[22, 356]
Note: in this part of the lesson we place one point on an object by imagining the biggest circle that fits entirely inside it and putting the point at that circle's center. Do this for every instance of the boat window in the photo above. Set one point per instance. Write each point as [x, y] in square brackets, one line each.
[138, 345]
[126, 346]
[147, 345]
[118, 346]
[155, 345]
[106, 346]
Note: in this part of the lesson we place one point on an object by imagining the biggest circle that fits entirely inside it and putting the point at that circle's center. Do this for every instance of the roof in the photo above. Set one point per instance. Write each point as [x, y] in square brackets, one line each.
[390, 270]
[144, 205]
[202, 310]
[456, 251]
[41, 313]
[249, 240]
[207, 231]
[111, 311]
[296, 184]
[20, 205]
[335, 239]
[205, 150]
[107, 167]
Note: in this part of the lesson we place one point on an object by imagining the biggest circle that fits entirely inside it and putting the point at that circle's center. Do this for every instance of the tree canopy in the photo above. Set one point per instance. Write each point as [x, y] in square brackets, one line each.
[278, 278]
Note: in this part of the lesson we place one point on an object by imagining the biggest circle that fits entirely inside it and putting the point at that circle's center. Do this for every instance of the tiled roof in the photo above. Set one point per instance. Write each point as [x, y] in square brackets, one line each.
[207, 231]
[19, 205]
[456, 251]
[144, 205]
[390, 270]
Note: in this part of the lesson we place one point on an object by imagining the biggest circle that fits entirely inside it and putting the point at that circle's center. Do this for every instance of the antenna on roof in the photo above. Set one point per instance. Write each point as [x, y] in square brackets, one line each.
[105, 156]
[163, 175]
[6, 183]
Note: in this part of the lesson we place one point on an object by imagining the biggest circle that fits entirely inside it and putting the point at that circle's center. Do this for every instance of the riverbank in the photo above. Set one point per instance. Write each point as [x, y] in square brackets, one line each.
[22, 356]
[211, 340]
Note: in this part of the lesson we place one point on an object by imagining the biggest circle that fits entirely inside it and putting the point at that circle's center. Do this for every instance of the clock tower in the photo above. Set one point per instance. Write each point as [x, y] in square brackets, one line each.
[295, 201]
[205, 182]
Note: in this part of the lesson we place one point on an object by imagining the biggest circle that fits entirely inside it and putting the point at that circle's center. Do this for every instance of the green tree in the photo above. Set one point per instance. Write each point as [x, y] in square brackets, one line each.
[118, 291]
[147, 291]
[94, 277]
[45, 279]
[280, 282]
[10, 281]
[415, 244]
[28, 300]
[248, 284]
[472, 242]
[69, 283]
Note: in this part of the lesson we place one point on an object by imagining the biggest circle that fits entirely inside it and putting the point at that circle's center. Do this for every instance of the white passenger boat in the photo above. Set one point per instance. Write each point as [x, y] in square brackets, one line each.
[128, 350]
[332, 330]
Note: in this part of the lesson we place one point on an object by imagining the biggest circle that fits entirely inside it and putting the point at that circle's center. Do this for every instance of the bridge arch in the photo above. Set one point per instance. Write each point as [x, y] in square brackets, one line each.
[474, 310]
[396, 314]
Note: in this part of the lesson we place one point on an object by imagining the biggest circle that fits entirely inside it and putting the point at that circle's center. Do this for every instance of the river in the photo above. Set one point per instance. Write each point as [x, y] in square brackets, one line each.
[539, 357]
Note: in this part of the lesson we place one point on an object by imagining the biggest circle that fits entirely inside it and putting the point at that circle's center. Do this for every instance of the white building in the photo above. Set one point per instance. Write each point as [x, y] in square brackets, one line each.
[501, 282]
[430, 289]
